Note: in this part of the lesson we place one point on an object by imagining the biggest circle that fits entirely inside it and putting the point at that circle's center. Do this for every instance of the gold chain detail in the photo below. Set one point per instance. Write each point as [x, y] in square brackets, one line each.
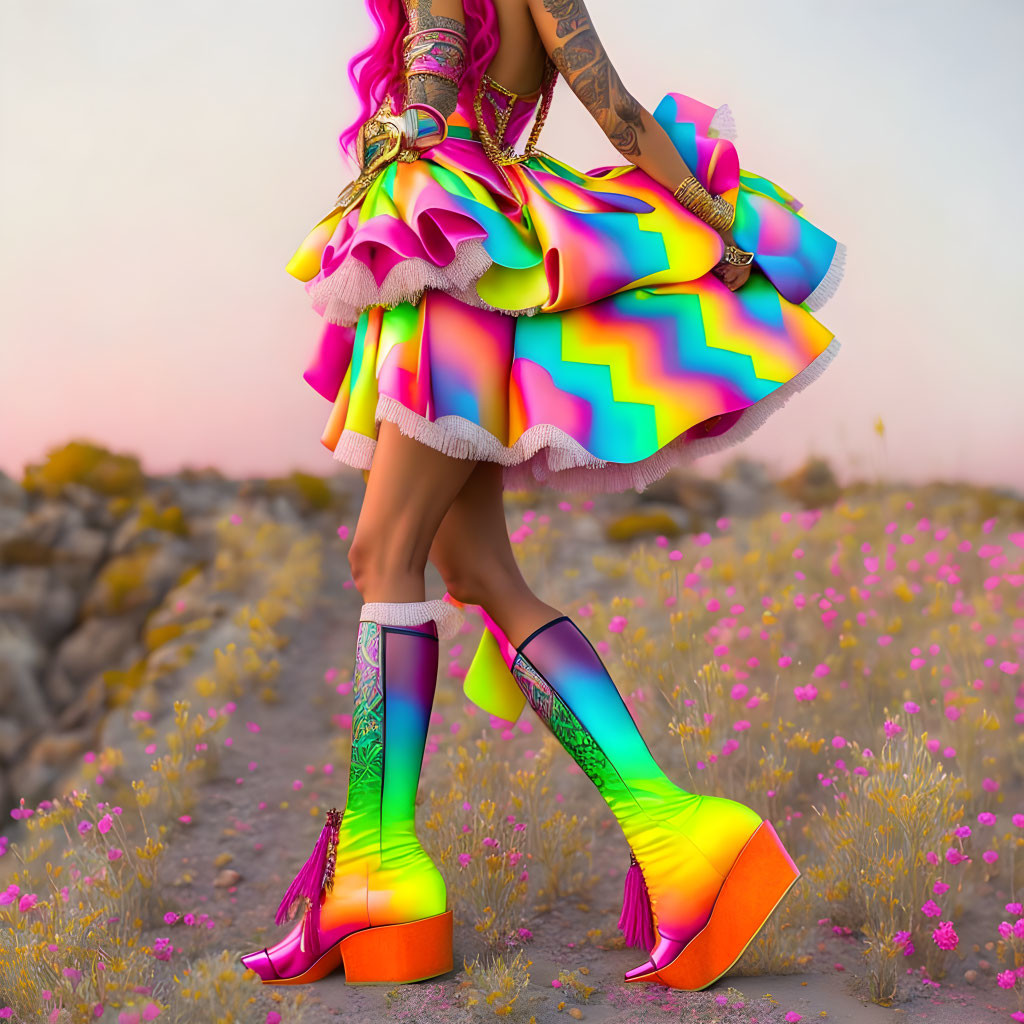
[502, 157]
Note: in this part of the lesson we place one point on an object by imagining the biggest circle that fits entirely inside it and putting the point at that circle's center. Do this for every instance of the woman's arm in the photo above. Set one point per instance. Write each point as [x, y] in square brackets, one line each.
[429, 88]
[572, 41]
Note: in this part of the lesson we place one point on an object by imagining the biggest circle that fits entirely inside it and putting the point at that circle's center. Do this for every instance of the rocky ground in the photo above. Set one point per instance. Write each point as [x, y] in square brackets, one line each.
[81, 591]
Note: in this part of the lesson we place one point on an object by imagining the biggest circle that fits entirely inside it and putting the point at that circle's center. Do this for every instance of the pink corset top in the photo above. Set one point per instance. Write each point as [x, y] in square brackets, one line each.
[493, 107]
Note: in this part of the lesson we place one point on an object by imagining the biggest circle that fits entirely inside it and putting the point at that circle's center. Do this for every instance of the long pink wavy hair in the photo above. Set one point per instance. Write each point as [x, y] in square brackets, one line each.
[380, 71]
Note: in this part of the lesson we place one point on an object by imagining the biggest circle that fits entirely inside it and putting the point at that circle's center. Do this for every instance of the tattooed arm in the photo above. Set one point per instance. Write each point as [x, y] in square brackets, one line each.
[424, 88]
[571, 40]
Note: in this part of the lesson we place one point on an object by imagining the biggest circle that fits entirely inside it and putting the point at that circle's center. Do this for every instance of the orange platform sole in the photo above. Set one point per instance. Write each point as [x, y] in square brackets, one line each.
[758, 880]
[388, 953]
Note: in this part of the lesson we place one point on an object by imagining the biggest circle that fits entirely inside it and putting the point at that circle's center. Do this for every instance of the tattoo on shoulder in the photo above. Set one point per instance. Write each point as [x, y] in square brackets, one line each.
[420, 16]
[570, 15]
[584, 64]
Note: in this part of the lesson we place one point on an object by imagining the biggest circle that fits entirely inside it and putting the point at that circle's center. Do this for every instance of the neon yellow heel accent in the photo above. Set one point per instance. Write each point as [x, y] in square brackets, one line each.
[489, 684]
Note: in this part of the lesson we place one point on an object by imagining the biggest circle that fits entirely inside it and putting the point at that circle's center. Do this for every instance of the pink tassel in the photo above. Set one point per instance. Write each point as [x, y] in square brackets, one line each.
[636, 922]
[310, 880]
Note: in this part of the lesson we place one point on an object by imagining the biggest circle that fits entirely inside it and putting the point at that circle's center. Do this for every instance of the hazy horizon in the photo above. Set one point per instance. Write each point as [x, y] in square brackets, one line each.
[161, 164]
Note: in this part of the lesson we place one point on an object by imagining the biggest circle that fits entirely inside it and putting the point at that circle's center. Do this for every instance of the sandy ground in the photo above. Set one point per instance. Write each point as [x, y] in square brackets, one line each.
[268, 846]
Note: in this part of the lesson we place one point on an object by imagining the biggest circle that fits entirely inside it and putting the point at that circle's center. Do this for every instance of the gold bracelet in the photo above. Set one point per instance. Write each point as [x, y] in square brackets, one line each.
[716, 211]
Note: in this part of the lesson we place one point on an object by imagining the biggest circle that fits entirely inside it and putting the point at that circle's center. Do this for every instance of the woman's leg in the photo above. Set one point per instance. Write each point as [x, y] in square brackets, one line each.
[683, 846]
[409, 490]
[472, 552]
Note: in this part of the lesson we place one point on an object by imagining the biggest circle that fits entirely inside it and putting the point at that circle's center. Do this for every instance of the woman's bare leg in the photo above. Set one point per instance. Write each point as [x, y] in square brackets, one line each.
[410, 488]
[472, 552]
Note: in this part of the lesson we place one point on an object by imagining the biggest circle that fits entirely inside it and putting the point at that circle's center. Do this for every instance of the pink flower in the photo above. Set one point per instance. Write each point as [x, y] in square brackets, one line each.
[525, 933]
[170, 917]
[931, 909]
[911, 708]
[986, 818]
[892, 728]
[945, 936]
[84, 826]
[838, 741]
[1018, 820]
[962, 831]
[27, 902]
[990, 856]
[1014, 908]
[940, 887]
[901, 938]
[273, 1017]
[464, 859]
[954, 856]
[792, 1017]
[114, 853]
[1006, 979]
[105, 824]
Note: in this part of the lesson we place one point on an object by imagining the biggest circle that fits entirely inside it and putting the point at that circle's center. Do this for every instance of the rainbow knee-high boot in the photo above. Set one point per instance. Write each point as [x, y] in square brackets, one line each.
[705, 872]
[373, 900]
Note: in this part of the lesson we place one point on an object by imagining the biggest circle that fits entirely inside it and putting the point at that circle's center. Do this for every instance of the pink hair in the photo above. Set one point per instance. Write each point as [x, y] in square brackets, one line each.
[381, 73]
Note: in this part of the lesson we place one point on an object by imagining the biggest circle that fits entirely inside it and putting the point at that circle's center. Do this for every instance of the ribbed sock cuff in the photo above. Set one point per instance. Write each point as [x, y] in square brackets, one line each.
[415, 613]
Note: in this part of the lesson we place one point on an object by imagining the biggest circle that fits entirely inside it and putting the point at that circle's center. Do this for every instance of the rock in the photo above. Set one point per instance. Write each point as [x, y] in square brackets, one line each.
[970, 976]
[78, 556]
[47, 759]
[86, 706]
[137, 580]
[20, 659]
[23, 590]
[11, 738]
[60, 748]
[984, 966]
[814, 485]
[94, 506]
[12, 495]
[57, 614]
[664, 491]
[701, 497]
[98, 644]
[226, 878]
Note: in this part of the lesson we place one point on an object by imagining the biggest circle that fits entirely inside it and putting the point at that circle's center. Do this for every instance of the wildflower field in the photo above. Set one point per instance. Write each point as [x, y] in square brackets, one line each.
[853, 672]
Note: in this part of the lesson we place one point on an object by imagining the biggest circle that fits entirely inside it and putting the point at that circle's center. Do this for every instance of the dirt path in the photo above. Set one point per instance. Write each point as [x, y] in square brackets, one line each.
[241, 814]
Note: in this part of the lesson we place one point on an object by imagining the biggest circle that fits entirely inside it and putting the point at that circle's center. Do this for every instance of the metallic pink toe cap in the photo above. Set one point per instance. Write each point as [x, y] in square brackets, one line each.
[647, 968]
[260, 962]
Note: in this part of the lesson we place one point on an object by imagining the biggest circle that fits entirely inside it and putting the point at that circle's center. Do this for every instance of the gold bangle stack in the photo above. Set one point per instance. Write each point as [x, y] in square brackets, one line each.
[715, 211]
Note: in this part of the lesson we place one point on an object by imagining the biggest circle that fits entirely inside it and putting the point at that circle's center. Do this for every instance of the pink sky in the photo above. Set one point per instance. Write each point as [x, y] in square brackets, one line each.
[162, 163]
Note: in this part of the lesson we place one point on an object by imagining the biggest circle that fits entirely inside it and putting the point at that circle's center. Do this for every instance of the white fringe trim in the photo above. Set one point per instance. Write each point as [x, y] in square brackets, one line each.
[830, 282]
[723, 123]
[415, 613]
[547, 455]
[344, 294]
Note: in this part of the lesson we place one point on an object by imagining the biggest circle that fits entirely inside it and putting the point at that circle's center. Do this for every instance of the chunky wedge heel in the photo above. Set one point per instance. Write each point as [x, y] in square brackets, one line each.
[761, 876]
[397, 953]
[368, 865]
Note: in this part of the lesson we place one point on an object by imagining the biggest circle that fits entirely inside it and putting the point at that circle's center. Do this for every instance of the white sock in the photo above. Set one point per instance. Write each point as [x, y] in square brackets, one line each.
[415, 613]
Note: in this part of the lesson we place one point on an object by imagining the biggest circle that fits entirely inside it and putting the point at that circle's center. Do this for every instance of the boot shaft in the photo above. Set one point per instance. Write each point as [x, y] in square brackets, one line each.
[394, 683]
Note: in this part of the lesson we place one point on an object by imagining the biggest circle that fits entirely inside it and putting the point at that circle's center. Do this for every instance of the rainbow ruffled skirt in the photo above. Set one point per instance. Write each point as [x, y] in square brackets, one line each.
[565, 324]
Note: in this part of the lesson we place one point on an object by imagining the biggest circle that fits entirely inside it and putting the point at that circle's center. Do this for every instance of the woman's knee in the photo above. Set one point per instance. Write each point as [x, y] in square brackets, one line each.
[474, 580]
[377, 555]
